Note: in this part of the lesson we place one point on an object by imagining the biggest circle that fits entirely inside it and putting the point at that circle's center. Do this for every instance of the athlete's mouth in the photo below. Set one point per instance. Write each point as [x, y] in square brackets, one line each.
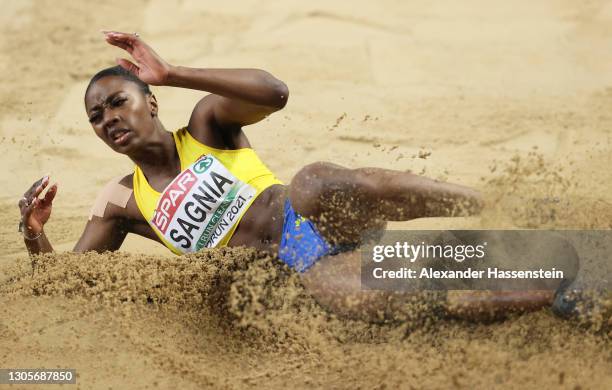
[119, 136]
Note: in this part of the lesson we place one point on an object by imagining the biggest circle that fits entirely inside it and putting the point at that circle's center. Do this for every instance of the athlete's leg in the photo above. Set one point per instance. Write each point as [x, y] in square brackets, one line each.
[335, 282]
[344, 202]
[483, 305]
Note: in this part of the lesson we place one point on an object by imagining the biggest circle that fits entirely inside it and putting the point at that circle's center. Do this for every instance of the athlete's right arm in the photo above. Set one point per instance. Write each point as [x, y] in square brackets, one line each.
[35, 212]
[102, 234]
[105, 231]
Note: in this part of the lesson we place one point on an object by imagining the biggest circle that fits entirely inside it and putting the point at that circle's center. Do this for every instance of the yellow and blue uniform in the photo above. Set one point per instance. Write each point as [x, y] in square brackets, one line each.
[242, 163]
[301, 244]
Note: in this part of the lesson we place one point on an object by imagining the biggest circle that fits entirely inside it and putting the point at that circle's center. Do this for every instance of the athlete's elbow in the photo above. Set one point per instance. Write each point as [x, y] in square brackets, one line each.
[281, 94]
[276, 91]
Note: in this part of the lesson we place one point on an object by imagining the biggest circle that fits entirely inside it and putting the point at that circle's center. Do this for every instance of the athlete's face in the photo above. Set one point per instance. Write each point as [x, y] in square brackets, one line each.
[120, 113]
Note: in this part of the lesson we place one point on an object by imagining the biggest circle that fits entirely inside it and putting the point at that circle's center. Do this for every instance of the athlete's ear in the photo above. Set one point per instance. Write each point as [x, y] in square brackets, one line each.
[152, 105]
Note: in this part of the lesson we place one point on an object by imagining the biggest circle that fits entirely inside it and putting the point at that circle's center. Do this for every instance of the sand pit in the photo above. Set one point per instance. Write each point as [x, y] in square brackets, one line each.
[510, 99]
[234, 318]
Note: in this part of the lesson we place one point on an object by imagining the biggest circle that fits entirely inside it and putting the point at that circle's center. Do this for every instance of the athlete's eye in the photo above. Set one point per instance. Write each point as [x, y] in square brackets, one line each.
[95, 118]
[118, 102]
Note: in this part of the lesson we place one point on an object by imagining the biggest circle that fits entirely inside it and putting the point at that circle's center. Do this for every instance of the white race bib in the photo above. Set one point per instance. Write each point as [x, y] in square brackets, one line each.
[201, 205]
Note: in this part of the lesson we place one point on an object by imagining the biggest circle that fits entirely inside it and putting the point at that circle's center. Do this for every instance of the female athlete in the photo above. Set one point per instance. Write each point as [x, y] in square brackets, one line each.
[203, 186]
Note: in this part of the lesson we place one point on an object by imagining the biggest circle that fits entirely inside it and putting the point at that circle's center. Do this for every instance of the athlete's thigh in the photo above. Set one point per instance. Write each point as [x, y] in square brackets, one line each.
[341, 202]
[308, 186]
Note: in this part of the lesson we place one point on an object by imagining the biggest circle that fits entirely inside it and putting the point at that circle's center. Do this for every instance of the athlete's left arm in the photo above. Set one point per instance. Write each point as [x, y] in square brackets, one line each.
[239, 97]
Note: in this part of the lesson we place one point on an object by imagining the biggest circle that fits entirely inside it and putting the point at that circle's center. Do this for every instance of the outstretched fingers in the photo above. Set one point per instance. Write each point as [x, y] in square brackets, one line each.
[128, 65]
[30, 200]
[121, 40]
[43, 184]
[34, 190]
[120, 44]
[50, 195]
[128, 37]
[125, 42]
[145, 63]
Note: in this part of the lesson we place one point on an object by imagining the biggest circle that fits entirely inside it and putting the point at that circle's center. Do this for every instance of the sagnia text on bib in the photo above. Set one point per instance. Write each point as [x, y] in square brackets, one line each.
[201, 206]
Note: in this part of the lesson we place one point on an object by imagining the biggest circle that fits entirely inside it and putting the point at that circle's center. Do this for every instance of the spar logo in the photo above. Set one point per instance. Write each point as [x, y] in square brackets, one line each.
[202, 166]
[172, 198]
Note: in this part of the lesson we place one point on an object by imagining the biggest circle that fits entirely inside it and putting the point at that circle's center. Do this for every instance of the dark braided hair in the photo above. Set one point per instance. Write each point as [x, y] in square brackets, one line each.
[119, 72]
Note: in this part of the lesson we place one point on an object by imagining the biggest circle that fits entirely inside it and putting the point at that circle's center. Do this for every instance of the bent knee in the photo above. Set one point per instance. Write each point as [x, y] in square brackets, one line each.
[309, 184]
[309, 179]
[320, 179]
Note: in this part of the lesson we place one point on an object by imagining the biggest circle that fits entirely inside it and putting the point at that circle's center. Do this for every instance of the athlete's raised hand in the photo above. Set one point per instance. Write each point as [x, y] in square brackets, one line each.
[149, 66]
[35, 212]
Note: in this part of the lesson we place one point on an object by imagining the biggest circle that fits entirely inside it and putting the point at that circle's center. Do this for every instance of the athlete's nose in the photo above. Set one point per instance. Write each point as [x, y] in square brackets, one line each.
[109, 120]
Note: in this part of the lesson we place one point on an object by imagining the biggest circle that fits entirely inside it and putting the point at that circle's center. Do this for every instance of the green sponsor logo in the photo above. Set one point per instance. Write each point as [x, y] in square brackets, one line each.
[203, 165]
[217, 216]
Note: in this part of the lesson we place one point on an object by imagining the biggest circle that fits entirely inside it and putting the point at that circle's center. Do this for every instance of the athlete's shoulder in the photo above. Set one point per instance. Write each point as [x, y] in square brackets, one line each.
[125, 181]
[113, 198]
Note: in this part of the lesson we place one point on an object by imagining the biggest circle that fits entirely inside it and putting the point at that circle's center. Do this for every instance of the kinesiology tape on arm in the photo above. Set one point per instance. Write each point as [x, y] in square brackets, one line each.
[114, 193]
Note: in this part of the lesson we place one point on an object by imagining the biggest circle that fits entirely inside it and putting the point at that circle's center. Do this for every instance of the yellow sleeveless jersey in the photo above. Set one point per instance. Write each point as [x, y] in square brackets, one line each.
[203, 205]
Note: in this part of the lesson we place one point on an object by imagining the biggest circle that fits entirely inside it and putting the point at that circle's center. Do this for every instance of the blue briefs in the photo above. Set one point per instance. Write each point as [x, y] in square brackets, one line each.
[301, 243]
